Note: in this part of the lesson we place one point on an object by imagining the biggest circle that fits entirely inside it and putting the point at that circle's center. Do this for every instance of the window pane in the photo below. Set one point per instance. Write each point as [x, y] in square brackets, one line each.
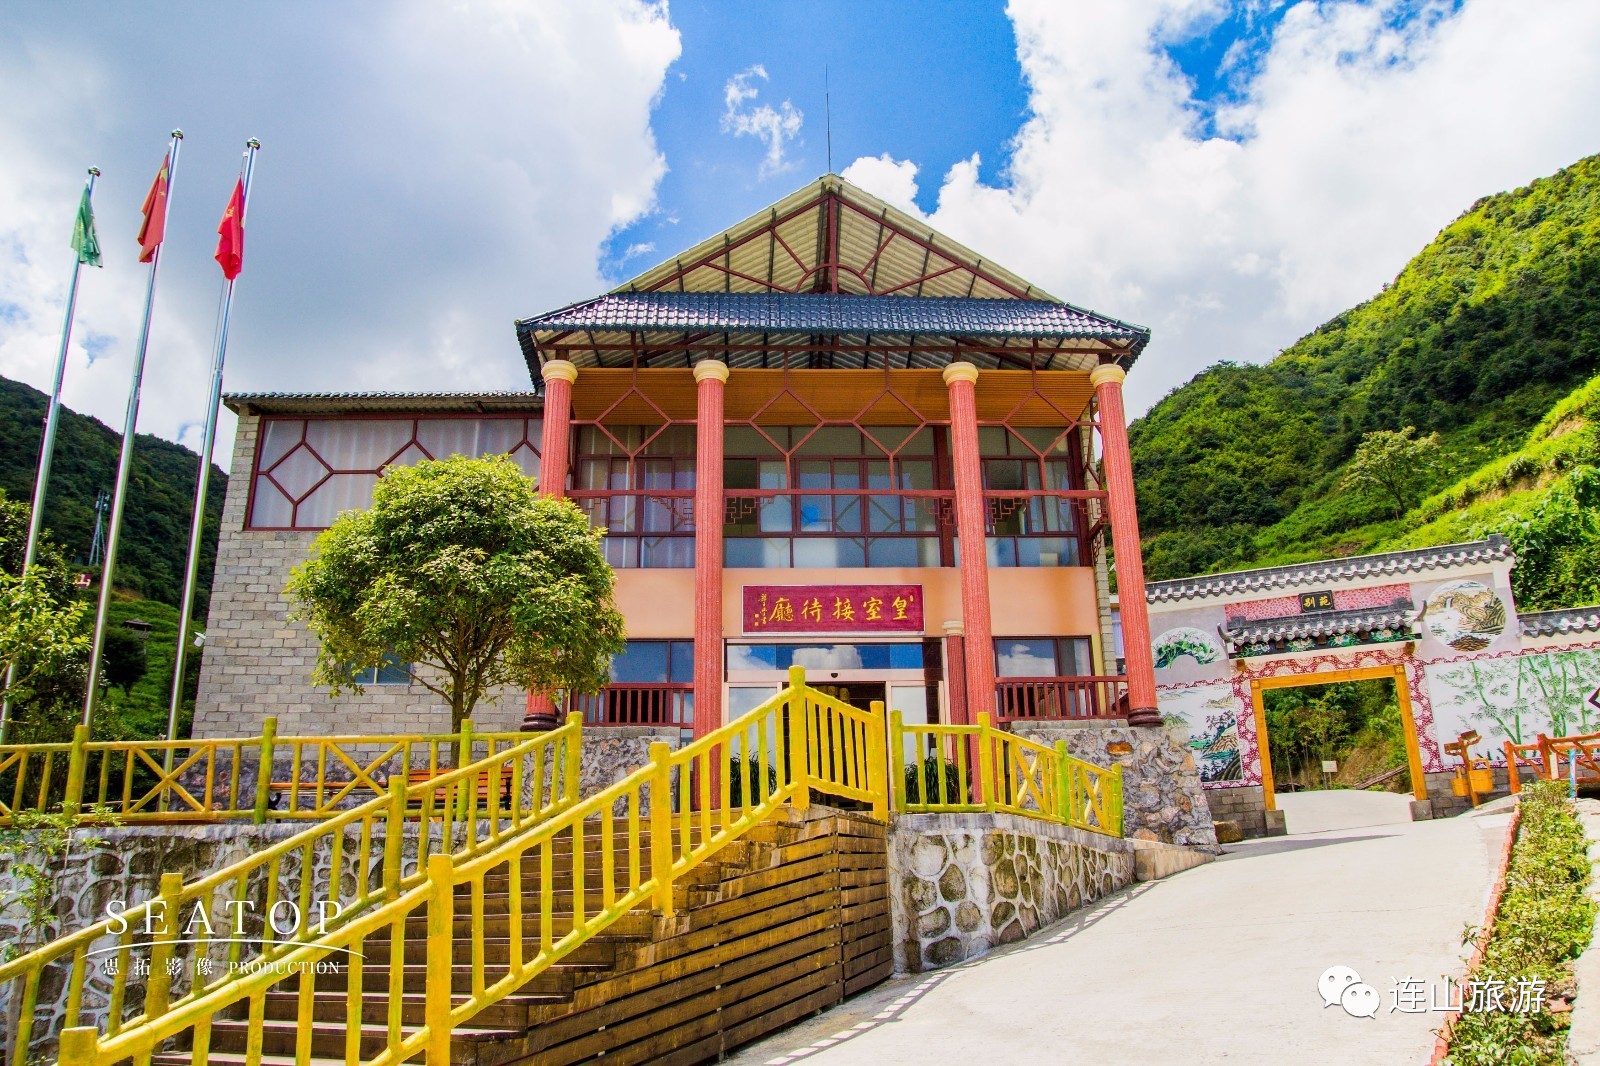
[1025, 658]
[444, 437]
[1075, 655]
[278, 436]
[814, 474]
[883, 514]
[298, 473]
[358, 443]
[741, 701]
[847, 514]
[1043, 439]
[1002, 551]
[746, 440]
[1003, 474]
[777, 515]
[270, 507]
[905, 657]
[916, 474]
[528, 459]
[391, 671]
[341, 492]
[740, 474]
[681, 671]
[816, 514]
[674, 440]
[755, 553]
[667, 552]
[833, 440]
[592, 473]
[992, 440]
[496, 436]
[829, 552]
[621, 552]
[921, 443]
[752, 657]
[641, 662]
[892, 551]
[927, 551]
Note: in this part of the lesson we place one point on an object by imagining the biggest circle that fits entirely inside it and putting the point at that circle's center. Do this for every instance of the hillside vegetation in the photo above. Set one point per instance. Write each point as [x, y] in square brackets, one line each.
[1489, 337]
[155, 535]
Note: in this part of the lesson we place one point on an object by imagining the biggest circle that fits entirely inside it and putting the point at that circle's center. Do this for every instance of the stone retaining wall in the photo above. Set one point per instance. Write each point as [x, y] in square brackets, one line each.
[962, 884]
[1161, 795]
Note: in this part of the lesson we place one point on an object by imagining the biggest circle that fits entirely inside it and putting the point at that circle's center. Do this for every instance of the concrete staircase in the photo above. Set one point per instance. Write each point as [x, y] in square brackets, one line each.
[781, 923]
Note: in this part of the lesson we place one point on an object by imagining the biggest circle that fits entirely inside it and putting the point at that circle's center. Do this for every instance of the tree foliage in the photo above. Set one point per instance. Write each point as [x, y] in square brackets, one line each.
[1489, 326]
[1557, 544]
[41, 618]
[1394, 464]
[461, 568]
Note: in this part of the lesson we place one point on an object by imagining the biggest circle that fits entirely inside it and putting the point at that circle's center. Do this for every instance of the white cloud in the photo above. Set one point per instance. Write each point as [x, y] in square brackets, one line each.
[892, 180]
[430, 172]
[1350, 145]
[775, 127]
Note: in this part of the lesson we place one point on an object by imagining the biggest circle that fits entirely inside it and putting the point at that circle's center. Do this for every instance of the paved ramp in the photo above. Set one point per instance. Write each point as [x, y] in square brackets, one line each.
[1343, 808]
[1218, 964]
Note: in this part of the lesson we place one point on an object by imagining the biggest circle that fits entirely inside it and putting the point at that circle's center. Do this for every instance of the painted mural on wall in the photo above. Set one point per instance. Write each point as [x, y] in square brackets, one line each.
[1209, 713]
[1517, 697]
[1179, 641]
[1467, 615]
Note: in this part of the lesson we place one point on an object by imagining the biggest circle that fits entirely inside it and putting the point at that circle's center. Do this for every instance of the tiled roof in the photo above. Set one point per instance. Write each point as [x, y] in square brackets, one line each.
[1396, 618]
[1386, 564]
[1558, 623]
[337, 402]
[832, 313]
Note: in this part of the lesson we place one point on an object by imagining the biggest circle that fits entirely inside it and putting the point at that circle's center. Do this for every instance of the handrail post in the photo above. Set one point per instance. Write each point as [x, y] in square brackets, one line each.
[661, 824]
[80, 1046]
[77, 763]
[264, 770]
[1547, 758]
[1513, 778]
[878, 763]
[158, 990]
[394, 835]
[1063, 782]
[465, 790]
[570, 789]
[897, 750]
[1115, 806]
[984, 772]
[441, 951]
[800, 722]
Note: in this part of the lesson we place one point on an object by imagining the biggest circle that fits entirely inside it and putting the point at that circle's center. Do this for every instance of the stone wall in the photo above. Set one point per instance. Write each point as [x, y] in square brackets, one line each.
[1245, 805]
[257, 663]
[1161, 795]
[961, 884]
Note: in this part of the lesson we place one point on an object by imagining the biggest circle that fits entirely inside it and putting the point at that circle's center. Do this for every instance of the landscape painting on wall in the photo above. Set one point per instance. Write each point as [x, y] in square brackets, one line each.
[1208, 713]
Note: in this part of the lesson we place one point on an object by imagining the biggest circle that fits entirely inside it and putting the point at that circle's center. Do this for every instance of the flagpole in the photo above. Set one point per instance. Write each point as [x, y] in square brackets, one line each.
[207, 442]
[47, 447]
[125, 460]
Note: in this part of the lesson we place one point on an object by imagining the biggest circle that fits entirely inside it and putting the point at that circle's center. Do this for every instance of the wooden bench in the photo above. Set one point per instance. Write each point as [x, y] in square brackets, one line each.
[492, 785]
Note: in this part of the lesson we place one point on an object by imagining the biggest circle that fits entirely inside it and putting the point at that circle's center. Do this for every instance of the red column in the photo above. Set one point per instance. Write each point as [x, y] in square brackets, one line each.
[972, 528]
[709, 376]
[555, 450]
[1124, 513]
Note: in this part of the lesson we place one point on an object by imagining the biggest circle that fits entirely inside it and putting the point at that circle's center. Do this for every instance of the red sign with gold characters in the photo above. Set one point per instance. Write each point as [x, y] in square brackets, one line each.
[833, 609]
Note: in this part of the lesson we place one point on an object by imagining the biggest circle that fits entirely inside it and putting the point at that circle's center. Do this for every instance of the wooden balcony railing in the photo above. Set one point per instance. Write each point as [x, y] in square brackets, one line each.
[1043, 698]
[649, 704]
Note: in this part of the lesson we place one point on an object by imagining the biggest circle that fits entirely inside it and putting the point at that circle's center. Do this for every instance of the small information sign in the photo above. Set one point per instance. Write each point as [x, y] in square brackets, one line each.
[1316, 601]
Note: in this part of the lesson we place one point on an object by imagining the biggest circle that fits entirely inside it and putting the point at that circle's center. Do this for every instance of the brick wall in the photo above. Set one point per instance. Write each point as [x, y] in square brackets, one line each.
[258, 663]
[1244, 805]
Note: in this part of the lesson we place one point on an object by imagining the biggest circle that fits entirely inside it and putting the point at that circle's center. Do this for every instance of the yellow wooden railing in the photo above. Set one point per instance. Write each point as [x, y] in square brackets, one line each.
[673, 814]
[331, 876]
[260, 779]
[954, 768]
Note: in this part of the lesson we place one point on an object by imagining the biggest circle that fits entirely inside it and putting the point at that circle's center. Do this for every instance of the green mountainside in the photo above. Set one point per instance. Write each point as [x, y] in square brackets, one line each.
[1489, 337]
[155, 534]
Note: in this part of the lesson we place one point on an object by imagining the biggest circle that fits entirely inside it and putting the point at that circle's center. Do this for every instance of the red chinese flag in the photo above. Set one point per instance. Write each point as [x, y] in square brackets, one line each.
[154, 229]
[230, 234]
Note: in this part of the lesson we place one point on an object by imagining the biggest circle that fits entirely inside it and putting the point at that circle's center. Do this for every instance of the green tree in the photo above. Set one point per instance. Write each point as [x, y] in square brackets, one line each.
[1394, 465]
[461, 568]
[1558, 545]
[124, 656]
[39, 634]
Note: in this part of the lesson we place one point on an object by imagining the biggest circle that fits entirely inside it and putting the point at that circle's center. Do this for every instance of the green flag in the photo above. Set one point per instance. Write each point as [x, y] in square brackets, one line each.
[84, 239]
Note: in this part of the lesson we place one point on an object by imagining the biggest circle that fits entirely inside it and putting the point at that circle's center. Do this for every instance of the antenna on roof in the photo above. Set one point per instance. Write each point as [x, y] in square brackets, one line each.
[827, 115]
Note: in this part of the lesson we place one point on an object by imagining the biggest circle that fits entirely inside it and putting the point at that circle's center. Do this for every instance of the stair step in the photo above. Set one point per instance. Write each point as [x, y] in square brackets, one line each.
[280, 1037]
[509, 1013]
[600, 950]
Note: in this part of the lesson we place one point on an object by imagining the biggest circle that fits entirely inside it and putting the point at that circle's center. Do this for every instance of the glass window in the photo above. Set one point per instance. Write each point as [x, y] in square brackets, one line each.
[389, 671]
[824, 656]
[1043, 657]
[654, 662]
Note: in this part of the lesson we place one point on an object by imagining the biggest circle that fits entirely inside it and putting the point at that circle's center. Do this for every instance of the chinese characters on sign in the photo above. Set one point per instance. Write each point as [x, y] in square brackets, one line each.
[833, 609]
[1316, 601]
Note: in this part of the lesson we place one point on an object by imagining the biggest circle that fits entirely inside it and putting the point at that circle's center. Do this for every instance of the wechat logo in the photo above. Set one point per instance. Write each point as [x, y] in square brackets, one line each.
[1342, 985]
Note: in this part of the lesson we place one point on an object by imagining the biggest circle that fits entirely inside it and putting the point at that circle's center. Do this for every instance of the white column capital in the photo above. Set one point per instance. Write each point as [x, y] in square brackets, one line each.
[1107, 372]
[960, 372]
[954, 628]
[714, 369]
[559, 370]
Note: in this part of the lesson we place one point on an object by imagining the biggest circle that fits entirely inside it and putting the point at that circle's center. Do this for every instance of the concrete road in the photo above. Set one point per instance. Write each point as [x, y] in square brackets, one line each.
[1219, 964]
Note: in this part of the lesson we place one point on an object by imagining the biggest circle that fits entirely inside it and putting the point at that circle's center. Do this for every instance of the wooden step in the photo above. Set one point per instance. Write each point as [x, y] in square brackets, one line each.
[509, 1013]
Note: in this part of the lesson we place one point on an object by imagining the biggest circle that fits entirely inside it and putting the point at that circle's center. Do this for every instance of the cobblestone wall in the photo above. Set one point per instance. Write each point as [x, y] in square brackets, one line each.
[1161, 795]
[962, 884]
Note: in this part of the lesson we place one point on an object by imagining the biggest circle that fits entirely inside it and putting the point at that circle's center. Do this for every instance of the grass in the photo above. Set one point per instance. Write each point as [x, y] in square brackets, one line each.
[1544, 922]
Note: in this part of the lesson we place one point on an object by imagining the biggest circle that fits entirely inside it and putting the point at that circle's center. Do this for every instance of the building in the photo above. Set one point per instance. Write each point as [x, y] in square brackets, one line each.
[829, 437]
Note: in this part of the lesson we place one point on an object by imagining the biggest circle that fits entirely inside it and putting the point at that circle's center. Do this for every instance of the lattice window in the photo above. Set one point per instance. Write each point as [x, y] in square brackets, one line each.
[308, 470]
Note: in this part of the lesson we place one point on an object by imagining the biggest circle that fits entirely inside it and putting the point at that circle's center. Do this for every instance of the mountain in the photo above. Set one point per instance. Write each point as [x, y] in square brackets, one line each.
[1489, 337]
[155, 535]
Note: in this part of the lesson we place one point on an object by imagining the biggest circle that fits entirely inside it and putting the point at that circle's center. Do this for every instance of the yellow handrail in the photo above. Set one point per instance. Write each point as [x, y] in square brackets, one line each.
[653, 828]
[209, 779]
[322, 878]
[954, 768]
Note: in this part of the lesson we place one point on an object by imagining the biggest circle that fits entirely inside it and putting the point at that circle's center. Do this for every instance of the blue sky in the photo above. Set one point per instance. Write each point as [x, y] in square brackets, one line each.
[936, 82]
[1230, 174]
